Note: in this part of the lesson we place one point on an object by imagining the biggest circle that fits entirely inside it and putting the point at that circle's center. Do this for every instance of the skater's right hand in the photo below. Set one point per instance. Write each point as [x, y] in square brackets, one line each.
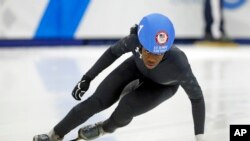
[199, 137]
[81, 87]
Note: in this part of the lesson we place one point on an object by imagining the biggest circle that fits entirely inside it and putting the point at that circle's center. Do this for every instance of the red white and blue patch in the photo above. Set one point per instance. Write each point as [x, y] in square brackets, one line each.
[161, 38]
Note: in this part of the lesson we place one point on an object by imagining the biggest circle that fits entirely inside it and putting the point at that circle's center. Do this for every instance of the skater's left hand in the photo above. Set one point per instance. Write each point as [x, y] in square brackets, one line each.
[81, 87]
[199, 137]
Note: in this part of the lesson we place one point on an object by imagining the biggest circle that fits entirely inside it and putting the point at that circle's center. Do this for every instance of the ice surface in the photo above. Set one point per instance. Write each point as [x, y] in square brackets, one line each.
[36, 85]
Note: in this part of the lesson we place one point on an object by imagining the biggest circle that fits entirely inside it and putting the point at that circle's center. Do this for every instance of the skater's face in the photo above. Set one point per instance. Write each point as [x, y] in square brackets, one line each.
[151, 60]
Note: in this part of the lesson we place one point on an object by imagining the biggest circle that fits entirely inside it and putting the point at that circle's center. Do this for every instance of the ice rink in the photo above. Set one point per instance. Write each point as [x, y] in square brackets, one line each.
[36, 85]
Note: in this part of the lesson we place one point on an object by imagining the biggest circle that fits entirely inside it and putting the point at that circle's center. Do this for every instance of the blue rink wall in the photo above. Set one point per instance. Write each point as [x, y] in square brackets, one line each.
[89, 42]
[96, 22]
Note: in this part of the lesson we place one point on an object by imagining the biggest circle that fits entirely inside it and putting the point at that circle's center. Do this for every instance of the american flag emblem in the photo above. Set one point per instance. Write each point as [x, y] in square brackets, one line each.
[161, 38]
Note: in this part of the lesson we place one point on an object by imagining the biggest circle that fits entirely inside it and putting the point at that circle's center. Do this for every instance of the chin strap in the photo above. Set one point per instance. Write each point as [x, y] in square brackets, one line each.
[138, 50]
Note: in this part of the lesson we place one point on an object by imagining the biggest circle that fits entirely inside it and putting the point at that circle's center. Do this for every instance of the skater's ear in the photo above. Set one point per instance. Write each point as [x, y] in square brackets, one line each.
[140, 48]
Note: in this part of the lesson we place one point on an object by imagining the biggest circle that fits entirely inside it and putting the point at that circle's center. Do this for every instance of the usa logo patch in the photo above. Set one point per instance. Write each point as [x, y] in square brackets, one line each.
[161, 38]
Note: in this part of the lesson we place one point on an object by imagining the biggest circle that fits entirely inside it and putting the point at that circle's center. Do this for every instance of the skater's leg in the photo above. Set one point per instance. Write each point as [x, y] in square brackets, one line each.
[146, 97]
[107, 93]
[93, 131]
[208, 19]
[222, 29]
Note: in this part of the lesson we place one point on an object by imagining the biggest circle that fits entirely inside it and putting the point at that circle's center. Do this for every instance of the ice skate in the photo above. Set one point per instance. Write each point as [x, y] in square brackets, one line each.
[51, 136]
[91, 132]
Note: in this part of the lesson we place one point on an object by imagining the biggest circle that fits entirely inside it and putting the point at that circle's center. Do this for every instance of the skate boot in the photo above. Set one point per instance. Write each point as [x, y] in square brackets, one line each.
[91, 132]
[51, 136]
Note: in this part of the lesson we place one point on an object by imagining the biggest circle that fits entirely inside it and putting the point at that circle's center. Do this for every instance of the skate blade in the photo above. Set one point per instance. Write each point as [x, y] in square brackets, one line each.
[75, 139]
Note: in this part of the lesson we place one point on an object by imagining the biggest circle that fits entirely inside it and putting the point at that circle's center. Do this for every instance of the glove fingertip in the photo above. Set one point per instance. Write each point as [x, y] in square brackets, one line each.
[77, 98]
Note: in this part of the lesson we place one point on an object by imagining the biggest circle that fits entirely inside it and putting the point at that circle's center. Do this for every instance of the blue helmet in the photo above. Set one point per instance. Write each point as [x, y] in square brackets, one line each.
[156, 33]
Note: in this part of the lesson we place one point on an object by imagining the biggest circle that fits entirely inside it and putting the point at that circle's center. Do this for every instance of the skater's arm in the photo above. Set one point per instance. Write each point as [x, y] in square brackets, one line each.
[194, 92]
[83, 85]
[191, 86]
[103, 62]
[109, 56]
[112, 53]
[198, 111]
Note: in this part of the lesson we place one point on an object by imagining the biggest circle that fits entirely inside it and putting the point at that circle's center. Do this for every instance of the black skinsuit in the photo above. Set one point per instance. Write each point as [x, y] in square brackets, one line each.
[156, 85]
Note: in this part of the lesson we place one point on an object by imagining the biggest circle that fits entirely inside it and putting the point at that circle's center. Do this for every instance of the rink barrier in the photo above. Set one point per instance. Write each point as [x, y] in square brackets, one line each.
[85, 42]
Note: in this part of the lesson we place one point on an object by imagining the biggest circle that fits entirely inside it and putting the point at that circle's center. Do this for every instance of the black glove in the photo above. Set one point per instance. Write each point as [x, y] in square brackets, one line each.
[81, 87]
[133, 29]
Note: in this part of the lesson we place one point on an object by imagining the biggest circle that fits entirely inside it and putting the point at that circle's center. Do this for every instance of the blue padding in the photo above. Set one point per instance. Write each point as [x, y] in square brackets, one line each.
[95, 42]
[61, 18]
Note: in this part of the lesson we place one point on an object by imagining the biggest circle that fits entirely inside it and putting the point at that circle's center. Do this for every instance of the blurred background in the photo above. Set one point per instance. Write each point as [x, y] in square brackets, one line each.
[47, 45]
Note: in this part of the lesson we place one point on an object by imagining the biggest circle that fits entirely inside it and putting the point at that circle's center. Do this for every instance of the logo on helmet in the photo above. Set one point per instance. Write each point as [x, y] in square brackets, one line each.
[161, 38]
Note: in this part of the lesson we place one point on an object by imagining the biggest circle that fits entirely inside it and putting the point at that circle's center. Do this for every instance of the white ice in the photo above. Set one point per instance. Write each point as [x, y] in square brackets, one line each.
[36, 85]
